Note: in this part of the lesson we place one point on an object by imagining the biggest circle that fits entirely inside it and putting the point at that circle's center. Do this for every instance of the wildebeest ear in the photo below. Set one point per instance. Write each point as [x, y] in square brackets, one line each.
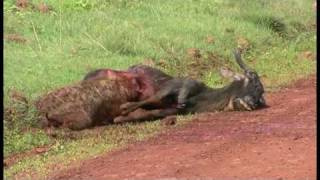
[226, 73]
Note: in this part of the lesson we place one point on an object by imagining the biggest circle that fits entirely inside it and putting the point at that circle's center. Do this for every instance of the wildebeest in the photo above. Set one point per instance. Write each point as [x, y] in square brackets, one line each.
[182, 95]
[245, 92]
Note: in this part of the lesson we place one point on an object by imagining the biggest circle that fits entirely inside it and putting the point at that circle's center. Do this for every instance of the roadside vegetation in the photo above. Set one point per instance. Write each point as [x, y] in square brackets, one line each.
[48, 44]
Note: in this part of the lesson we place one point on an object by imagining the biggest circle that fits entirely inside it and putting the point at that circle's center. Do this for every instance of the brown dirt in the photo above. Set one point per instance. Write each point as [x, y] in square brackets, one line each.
[26, 4]
[210, 40]
[307, 55]
[12, 159]
[44, 8]
[277, 142]
[22, 4]
[15, 38]
[193, 53]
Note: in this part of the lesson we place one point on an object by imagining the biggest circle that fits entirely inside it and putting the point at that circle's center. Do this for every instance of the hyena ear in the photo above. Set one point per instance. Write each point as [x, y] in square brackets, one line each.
[226, 73]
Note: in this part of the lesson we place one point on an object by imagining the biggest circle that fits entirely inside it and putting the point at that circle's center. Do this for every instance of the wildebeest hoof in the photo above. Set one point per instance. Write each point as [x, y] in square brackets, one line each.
[245, 105]
[240, 104]
[119, 119]
[126, 108]
[181, 106]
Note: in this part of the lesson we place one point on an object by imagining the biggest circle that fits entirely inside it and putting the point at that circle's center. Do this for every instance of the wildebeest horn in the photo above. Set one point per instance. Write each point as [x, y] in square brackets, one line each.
[237, 55]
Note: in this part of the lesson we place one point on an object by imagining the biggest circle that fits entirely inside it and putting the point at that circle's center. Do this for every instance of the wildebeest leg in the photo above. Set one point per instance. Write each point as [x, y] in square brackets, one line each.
[189, 88]
[180, 88]
[142, 115]
[170, 89]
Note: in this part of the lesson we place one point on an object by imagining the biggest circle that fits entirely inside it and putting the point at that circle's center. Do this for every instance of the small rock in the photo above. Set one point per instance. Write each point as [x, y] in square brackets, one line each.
[169, 121]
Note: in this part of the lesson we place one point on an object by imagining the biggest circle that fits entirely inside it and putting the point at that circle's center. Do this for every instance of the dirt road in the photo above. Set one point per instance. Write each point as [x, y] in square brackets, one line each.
[278, 142]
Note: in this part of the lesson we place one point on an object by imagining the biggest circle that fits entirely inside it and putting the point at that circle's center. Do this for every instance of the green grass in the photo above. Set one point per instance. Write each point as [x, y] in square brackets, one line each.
[83, 35]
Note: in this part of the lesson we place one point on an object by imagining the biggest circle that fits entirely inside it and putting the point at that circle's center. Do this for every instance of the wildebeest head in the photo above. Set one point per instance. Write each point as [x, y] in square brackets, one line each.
[249, 92]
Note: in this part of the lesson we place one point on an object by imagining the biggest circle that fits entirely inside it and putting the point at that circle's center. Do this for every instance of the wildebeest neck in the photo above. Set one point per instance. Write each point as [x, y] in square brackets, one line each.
[215, 99]
[150, 79]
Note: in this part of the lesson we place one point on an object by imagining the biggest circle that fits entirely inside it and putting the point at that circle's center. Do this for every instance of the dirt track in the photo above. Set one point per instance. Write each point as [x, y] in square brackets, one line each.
[278, 142]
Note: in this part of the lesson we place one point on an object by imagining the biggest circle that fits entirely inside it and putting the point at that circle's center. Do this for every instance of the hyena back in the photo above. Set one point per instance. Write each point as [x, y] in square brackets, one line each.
[86, 104]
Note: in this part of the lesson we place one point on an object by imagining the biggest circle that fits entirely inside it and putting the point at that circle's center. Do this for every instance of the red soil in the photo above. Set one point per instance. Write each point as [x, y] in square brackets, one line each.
[278, 142]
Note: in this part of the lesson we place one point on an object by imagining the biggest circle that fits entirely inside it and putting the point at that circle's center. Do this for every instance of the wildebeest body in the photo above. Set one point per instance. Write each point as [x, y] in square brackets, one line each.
[221, 99]
[245, 92]
[164, 95]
